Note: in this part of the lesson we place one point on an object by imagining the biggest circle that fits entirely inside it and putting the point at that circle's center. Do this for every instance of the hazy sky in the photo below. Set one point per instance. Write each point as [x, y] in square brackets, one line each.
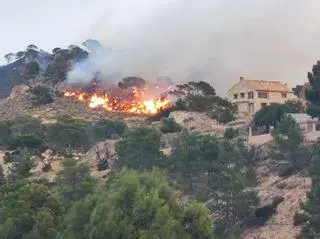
[222, 39]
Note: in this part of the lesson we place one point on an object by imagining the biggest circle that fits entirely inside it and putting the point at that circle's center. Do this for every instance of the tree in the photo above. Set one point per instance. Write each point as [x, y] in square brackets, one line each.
[288, 138]
[4, 133]
[313, 93]
[209, 150]
[138, 205]
[74, 182]
[59, 66]
[41, 95]
[215, 171]
[295, 106]
[28, 210]
[194, 88]
[25, 125]
[62, 62]
[271, 114]
[185, 160]
[287, 134]
[2, 176]
[311, 223]
[21, 164]
[65, 136]
[9, 57]
[26, 141]
[232, 204]
[77, 54]
[228, 195]
[19, 54]
[32, 47]
[32, 69]
[139, 148]
[56, 50]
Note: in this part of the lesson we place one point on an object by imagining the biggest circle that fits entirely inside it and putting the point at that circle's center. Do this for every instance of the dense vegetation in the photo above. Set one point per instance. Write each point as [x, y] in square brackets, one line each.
[200, 96]
[130, 203]
[272, 114]
[203, 189]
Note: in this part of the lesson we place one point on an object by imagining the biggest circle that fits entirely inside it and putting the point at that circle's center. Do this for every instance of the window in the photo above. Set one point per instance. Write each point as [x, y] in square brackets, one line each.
[284, 95]
[263, 95]
[263, 105]
[251, 108]
[242, 95]
[250, 95]
[235, 96]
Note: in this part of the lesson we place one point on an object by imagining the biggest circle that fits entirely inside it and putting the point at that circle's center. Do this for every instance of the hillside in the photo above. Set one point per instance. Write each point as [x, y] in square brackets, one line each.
[184, 169]
[13, 73]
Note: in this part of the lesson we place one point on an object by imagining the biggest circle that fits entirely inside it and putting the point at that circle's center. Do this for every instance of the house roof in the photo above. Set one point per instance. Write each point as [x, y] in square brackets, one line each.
[260, 85]
[267, 85]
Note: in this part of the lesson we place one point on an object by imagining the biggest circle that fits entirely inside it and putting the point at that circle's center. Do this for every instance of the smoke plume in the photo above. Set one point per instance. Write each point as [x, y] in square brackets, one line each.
[213, 40]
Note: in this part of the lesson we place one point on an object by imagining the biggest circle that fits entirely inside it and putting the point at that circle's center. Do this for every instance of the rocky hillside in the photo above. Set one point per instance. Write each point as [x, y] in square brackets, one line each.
[293, 189]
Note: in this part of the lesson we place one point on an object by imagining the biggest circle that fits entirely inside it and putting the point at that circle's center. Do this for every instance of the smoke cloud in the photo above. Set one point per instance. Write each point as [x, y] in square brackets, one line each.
[213, 40]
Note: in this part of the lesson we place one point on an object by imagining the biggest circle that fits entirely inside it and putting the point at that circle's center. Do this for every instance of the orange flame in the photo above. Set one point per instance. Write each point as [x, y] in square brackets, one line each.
[137, 105]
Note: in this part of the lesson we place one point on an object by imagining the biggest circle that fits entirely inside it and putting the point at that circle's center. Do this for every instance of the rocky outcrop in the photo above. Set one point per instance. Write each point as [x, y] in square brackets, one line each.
[197, 122]
[101, 151]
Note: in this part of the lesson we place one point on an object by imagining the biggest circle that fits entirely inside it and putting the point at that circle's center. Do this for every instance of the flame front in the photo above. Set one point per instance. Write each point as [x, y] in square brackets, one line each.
[136, 105]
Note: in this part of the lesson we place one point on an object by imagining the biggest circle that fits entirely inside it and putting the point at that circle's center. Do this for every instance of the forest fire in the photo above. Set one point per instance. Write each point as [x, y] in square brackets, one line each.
[133, 101]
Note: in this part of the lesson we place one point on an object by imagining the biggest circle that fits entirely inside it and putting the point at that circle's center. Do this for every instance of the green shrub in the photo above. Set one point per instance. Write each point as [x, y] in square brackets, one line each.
[169, 125]
[105, 129]
[230, 133]
[300, 218]
[21, 164]
[67, 119]
[32, 69]
[286, 171]
[41, 95]
[222, 114]
[26, 141]
[139, 148]
[24, 125]
[4, 133]
[66, 136]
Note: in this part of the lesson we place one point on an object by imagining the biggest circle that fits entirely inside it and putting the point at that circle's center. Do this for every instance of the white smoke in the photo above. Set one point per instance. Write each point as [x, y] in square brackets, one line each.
[213, 40]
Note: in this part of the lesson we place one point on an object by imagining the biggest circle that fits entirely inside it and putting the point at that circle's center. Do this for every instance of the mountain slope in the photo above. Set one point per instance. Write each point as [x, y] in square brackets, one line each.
[13, 73]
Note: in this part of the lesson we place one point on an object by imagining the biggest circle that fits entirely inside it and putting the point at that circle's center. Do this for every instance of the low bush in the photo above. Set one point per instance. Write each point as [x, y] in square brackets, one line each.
[230, 133]
[300, 218]
[41, 95]
[222, 114]
[62, 137]
[169, 125]
[26, 141]
[105, 129]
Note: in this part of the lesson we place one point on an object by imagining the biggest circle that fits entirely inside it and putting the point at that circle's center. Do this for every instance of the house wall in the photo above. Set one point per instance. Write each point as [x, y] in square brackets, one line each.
[244, 103]
[273, 97]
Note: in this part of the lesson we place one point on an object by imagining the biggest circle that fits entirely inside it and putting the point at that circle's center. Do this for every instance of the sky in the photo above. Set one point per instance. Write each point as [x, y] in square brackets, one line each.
[219, 40]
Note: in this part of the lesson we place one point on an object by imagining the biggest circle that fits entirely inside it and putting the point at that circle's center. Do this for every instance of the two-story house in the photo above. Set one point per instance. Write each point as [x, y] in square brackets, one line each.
[251, 95]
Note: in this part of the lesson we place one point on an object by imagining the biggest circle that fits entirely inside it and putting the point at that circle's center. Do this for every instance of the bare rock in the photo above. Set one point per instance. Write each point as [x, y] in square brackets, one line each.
[197, 122]
[18, 90]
